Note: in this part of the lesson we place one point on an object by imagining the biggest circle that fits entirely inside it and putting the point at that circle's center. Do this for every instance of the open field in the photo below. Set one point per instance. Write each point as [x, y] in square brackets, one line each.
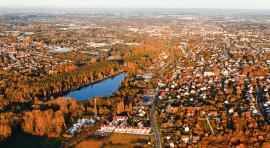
[90, 143]
[265, 45]
[127, 140]
[118, 141]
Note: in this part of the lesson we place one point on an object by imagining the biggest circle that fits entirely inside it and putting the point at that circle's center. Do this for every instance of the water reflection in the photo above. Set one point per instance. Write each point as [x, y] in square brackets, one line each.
[103, 88]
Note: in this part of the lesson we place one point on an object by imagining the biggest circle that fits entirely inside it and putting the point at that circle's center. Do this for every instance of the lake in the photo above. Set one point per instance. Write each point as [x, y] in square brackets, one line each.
[100, 89]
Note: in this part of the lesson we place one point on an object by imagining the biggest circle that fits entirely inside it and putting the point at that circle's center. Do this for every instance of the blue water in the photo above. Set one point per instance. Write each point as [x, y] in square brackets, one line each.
[102, 88]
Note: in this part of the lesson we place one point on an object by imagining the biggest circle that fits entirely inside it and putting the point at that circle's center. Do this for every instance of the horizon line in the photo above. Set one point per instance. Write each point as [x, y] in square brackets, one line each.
[111, 8]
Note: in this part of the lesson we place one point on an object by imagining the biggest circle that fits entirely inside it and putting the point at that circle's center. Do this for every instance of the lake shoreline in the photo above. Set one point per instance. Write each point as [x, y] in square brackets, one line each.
[45, 140]
[62, 94]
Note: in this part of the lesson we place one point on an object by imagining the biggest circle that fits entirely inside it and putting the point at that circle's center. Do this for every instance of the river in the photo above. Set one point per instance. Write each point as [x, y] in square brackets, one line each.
[100, 89]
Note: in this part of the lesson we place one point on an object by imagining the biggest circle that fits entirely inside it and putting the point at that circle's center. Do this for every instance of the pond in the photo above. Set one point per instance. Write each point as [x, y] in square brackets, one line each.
[61, 50]
[100, 89]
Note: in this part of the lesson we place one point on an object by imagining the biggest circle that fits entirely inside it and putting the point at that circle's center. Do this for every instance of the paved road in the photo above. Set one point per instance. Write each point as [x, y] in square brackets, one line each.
[159, 73]
[152, 118]
[153, 95]
[259, 97]
[260, 102]
[75, 140]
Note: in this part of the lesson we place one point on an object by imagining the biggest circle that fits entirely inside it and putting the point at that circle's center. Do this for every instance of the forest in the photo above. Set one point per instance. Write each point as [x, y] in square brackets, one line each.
[18, 88]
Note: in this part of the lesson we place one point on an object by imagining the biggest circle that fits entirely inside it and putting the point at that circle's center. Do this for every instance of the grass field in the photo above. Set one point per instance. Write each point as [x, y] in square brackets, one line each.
[90, 143]
[118, 141]
[127, 140]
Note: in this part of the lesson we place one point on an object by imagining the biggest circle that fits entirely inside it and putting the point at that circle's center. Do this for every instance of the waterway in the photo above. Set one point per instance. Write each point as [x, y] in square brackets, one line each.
[103, 88]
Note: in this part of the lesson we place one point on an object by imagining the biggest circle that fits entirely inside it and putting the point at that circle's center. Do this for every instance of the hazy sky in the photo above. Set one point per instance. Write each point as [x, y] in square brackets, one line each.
[224, 4]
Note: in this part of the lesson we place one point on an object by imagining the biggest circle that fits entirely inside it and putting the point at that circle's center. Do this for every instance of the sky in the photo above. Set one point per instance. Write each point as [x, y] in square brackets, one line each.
[219, 4]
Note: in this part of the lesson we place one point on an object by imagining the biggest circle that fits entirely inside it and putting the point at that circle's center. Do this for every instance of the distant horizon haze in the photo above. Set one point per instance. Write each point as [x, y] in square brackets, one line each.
[202, 4]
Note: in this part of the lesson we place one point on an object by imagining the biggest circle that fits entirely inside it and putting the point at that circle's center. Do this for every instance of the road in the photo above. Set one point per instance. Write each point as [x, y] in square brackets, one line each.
[75, 140]
[208, 122]
[158, 74]
[153, 95]
[259, 98]
[260, 102]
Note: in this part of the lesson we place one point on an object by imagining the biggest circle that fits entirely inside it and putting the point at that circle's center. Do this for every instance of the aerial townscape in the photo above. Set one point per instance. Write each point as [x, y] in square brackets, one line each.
[134, 78]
